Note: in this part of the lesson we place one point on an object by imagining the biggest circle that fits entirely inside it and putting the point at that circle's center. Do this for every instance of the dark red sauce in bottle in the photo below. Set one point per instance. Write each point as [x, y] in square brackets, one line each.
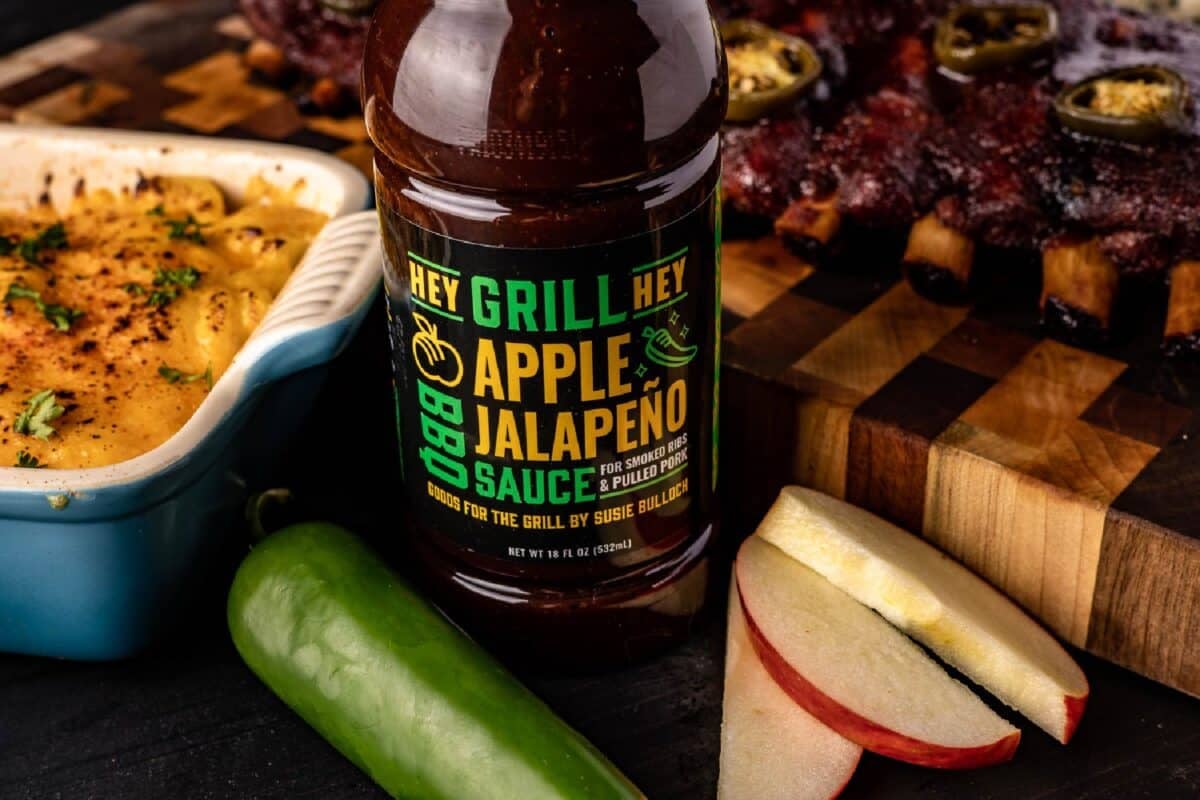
[547, 176]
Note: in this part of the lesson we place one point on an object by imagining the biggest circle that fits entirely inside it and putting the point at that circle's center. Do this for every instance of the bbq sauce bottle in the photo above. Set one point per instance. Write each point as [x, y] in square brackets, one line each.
[547, 177]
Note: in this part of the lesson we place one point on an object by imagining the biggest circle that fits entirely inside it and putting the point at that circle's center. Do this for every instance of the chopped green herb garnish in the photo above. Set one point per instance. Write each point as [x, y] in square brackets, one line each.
[186, 277]
[7, 245]
[135, 289]
[162, 297]
[172, 375]
[170, 282]
[52, 238]
[61, 317]
[189, 229]
[157, 211]
[40, 411]
[26, 461]
[18, 292]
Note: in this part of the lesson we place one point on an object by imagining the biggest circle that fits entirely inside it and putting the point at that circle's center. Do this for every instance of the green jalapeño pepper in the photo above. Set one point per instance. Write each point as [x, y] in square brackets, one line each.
[974, 37]
[1139, 105]
[767, 68]
[358, 8]
[394, 685]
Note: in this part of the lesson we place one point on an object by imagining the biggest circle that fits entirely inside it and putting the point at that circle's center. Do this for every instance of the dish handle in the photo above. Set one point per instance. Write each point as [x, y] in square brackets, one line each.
[318, 310]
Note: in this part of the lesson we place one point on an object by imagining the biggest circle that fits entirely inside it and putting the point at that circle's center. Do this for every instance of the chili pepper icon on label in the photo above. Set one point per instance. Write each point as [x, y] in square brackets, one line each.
[662, 349]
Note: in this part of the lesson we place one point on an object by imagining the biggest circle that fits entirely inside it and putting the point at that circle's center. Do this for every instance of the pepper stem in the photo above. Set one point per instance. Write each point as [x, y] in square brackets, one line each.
[258, 505]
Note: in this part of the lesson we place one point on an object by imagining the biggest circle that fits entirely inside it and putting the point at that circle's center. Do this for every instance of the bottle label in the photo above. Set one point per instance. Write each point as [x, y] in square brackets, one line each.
[558, 404]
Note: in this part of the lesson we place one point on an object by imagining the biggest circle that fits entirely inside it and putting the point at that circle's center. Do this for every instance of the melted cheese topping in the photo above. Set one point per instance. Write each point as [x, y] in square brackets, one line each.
[1129, 98]
[758, 66]
[166, 277]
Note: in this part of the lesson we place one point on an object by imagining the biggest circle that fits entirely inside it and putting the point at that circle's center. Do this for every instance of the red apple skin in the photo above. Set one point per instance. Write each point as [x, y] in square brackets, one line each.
[1075, 708]
[744, 650]
[866, 733]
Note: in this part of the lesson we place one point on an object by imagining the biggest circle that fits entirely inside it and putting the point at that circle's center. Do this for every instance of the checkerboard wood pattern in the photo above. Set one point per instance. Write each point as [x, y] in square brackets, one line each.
[170, 65]
[1069, 478]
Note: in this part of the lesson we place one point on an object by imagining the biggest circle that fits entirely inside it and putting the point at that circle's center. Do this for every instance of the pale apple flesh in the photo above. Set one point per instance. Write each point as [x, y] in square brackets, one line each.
[857, 674]
[771, 748]
[936, 601]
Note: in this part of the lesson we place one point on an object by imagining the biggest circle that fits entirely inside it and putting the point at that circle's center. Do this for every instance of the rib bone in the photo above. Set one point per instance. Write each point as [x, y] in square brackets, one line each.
[1183, 311]
[938, 260]
[1079, 288]
[809, 225]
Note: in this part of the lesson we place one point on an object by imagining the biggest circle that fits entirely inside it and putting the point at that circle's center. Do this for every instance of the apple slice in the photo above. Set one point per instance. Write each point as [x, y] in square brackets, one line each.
[856, 673]
[771, 748]
[936, 601]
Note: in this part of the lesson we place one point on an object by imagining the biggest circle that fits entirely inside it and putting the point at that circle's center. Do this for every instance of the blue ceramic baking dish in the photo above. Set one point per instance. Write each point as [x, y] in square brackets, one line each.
[93, 562]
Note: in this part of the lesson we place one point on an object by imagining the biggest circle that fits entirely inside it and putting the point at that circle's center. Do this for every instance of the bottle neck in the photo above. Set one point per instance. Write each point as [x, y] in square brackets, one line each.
[532, 96]
[582, 215]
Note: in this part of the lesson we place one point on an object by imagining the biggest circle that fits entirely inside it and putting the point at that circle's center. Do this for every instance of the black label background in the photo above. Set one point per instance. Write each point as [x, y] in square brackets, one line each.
[694, 318]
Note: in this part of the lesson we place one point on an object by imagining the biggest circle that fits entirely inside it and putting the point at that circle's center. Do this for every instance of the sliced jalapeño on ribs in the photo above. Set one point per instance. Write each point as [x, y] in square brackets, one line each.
[976, 37]
[767, 68]
[1140, 105]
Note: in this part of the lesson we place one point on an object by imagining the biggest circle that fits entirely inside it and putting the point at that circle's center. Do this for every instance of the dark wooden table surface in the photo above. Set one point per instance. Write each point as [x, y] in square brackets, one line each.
[188, 721]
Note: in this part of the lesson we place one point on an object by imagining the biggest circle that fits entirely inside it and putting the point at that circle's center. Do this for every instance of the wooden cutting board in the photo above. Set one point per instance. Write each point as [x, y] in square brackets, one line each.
[1069, 478]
